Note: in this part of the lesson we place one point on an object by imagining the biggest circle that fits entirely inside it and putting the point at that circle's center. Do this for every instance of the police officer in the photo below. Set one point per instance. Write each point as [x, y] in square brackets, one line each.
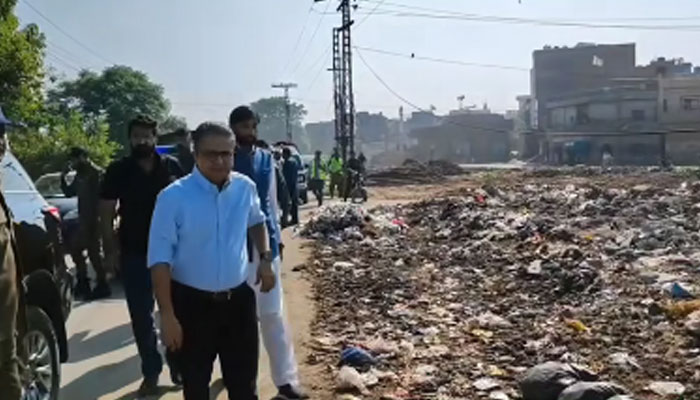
[335, 167]
[317, 179]
[86, 185]
[10, 388]
[290, 170]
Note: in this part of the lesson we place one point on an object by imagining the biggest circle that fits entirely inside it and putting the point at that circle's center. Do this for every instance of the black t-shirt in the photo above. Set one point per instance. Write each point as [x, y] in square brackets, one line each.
[136, 192]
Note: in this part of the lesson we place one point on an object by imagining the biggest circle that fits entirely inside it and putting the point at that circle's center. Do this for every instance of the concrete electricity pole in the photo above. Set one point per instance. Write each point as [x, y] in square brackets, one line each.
[286, 87]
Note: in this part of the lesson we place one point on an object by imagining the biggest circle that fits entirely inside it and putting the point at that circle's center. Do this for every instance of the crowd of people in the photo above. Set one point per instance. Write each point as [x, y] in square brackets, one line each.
[343, 177]
[202, 238]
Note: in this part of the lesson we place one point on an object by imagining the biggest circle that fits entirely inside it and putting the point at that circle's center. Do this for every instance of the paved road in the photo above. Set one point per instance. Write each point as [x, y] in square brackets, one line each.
[104, 363]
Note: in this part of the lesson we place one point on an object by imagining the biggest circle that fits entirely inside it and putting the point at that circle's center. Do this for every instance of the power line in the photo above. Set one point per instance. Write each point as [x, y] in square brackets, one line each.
[413, 56]
[313, 36]
[563, 24]
[63, 62]
[318, 73]
[403, 99]
[298, 41]
[452, 15]
[68, 35]
[65, 53]
[379, 4]
[614, 19]
[386, 85]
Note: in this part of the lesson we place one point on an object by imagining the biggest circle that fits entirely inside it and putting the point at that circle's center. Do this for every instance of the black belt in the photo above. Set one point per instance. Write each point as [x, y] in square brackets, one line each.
[224, 295]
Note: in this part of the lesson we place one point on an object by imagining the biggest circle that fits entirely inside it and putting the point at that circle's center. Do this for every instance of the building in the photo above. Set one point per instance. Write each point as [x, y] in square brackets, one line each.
[466, 138]
[524, 141]
[641, 122]
[321, 136]
[560, 70]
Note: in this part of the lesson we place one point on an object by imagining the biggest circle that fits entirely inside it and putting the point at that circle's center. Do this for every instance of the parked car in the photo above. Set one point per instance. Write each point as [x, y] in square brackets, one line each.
[302, 183]
[49, 186]
[48, 284]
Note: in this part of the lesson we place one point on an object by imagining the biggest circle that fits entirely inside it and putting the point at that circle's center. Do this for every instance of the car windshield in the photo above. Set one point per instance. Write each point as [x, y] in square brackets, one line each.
[14, 177]
[50, 185]
[307, 159]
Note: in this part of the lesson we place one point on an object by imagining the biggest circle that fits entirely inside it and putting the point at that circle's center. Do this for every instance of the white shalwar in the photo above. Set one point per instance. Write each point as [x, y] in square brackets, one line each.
[273, 327]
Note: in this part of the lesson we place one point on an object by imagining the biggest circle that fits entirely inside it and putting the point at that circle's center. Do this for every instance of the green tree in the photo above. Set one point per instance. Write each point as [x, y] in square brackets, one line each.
[273, 128]
[172, 123]
[118, 94]
[21, 66]
[46, 150]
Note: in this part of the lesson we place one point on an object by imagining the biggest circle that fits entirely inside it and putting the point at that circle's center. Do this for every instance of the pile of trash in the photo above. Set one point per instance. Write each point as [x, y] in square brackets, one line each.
[461, 297]
[413, 172]
[341, 222]
[444, 167]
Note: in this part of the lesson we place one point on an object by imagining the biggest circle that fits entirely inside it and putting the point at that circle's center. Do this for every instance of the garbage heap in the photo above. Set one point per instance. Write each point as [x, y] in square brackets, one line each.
[460, 297]
[413, 172]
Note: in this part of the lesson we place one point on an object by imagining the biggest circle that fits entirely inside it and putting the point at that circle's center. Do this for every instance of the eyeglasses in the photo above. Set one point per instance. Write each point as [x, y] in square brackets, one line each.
[214, 155]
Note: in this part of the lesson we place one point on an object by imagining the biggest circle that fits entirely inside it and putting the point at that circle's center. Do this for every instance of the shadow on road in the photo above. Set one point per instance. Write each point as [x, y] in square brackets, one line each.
[163, 390]
[117, 295]
[104, 342]
[103, 380]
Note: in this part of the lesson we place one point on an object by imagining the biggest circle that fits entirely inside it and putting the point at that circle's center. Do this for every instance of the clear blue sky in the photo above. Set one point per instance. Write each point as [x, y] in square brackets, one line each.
[213, 54]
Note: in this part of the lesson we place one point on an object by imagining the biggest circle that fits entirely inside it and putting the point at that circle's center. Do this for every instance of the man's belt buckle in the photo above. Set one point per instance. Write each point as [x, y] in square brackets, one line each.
[222, 296]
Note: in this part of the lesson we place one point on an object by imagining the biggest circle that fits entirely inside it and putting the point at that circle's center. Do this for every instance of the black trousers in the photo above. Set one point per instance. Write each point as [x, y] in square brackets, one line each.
[88, 237]
[224, 326]
[292, 210]
[316, 186]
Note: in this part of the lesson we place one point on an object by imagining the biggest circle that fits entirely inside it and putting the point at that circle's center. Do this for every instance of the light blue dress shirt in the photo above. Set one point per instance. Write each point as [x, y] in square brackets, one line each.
[201, 231]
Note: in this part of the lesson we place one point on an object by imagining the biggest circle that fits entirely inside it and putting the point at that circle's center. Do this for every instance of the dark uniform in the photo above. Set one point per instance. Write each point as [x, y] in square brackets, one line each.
[126, 181]
[290, 170]
[86, 186]
[354, 167]
[10, 278]
[185, 158]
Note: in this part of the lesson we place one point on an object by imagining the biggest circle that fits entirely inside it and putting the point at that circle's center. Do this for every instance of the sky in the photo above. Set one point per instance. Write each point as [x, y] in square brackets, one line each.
[211, 55]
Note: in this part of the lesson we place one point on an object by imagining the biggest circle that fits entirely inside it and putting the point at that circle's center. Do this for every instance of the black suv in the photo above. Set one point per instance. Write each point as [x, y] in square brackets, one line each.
[48, 284]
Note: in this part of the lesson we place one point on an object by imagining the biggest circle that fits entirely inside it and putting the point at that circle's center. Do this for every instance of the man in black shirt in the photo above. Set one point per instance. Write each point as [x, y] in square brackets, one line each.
[134, 182]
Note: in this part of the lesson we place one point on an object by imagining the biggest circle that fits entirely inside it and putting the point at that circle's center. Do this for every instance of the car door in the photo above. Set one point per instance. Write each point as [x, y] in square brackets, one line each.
[24, 200]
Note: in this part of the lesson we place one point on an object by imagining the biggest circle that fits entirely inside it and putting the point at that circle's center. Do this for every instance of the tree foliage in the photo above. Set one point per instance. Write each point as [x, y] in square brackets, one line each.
[21, 66]
[273, 128]
[46, 151]
[172, 123]
[118, 94]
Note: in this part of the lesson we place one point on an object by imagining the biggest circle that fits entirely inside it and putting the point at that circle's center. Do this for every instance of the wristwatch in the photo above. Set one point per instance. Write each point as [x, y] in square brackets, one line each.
[266, 256]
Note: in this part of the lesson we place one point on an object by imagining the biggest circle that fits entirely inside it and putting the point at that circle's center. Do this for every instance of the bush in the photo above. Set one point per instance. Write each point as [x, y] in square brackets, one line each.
[46, 150]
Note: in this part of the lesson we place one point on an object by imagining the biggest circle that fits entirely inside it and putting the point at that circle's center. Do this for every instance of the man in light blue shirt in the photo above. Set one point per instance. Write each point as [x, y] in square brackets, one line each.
[198, 257]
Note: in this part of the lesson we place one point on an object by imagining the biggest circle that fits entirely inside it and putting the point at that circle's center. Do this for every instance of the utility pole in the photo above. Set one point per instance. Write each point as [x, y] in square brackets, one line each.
[343, 96]
[337, 90]
[347, 94]
[286, 87]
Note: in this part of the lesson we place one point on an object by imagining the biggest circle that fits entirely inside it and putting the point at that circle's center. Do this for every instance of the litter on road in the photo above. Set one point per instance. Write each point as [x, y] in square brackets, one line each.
[529, 285]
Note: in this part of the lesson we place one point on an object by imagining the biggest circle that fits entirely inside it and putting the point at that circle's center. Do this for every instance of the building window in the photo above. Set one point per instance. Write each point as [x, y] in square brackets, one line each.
[638, 115]
[665, 105]
[691, 103]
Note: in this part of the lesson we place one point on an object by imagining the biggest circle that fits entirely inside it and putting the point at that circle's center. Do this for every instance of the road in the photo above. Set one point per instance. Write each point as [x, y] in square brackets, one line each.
[104, 364]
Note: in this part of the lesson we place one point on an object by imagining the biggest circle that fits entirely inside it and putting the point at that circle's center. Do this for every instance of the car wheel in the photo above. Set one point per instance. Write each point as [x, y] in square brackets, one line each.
[41, 369]
[66, 283]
